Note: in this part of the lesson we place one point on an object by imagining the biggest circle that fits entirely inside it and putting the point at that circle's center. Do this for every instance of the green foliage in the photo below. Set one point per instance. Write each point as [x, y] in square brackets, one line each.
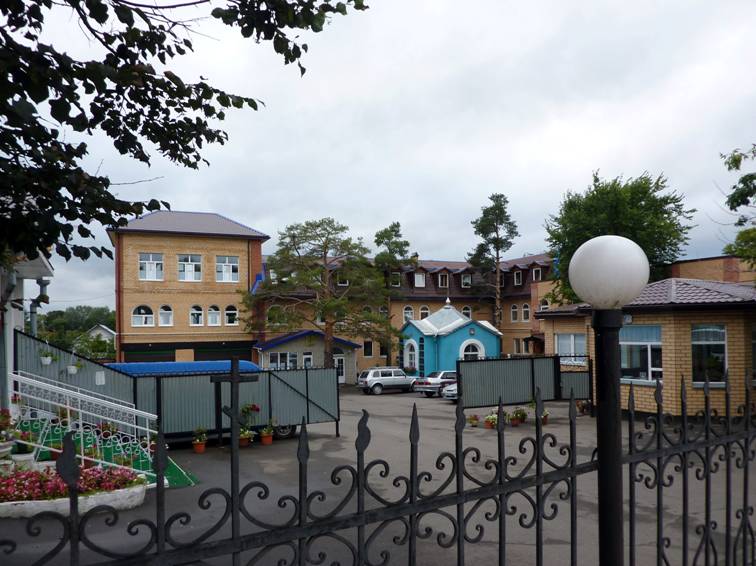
[641, 209]
[743, 196]
[51, 103]
[497, 230]
[303, 287]
[393, 250]
[67, 329]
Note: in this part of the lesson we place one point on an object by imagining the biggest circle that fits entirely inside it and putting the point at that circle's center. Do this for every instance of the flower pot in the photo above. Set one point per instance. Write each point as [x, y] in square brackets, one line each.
[488, 424]
[72, 370]
[473, 424]
[199, 447]
[514, 422]
[46, 360]
[27, 458]
[243, 441]
[545, 420]
[266, 439]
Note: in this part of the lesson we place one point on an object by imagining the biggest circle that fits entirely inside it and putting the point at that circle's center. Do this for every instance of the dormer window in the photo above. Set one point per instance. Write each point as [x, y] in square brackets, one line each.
[443, 280]
[466, 280]
[536, 274]
[518, 277]
[419, 279]
[341, 282]
[396, 279]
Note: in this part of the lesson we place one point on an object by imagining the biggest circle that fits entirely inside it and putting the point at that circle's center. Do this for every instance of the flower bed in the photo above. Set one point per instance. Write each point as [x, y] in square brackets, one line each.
[27, 492]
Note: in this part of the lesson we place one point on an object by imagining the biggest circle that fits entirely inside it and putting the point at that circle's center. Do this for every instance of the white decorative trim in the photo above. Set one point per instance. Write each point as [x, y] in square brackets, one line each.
[120, 499]
[478, 343]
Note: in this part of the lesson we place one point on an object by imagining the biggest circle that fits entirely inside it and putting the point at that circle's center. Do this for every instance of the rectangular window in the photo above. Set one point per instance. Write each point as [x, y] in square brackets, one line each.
[525, 346]
[341, 282]
[367, 348]
[536, 274]
[227, 269]
[150, 267]
[396, 279]
[518, 277]
[190, 267]
[571, 347]
[641, 352]
[419, 279]
[443, 280]
[709, 349]
[516, 343]
[382, 349]
[307, 359]
[284, 360]
[466, 280]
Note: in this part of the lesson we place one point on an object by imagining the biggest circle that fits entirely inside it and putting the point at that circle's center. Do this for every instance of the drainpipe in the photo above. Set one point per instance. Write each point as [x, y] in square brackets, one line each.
[35, 303]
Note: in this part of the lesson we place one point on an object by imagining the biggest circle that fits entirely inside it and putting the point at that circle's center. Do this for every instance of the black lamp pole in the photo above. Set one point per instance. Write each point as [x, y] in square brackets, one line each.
[606, 326]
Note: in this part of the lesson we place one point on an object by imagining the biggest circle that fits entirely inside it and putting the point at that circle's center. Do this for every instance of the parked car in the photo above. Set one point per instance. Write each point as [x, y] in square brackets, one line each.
[435, 382]
[376, 380]
[450, 393]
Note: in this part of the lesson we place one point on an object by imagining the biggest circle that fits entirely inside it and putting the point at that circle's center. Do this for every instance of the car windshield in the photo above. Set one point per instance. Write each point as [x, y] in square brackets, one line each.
[364, 374]
[434, 374]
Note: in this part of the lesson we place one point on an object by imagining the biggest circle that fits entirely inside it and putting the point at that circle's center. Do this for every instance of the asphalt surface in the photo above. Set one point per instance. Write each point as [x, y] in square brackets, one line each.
[389, 423]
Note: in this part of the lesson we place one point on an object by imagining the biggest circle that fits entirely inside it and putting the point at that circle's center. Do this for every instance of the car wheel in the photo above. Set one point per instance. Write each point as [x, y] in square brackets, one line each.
[377, 389]
[429, 394]
[284, 432]
[366, 391]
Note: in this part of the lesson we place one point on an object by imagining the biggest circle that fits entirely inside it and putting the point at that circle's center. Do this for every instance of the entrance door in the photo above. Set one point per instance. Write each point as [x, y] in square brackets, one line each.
[338, 362]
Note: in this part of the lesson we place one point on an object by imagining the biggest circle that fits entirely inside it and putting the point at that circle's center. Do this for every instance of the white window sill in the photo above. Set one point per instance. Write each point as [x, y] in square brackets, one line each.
[712, 385]
[166, 326]
[231, 324]
[153, 280]
[641, 382]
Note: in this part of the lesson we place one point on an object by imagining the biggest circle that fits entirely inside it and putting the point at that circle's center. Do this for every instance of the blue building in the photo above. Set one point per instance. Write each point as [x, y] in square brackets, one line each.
[436, 342]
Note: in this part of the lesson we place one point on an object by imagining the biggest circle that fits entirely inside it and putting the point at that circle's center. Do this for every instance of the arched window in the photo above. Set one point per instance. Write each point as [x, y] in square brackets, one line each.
[544, 305]
[525, 312]
[409, 313]
[410, 355]
[467, 311]
[213, 316]
[514, 313]
[165, 316]
[195, 316]
[424, 312]
[383, 311]
[142, 316]
[472, 351]
[232, 316]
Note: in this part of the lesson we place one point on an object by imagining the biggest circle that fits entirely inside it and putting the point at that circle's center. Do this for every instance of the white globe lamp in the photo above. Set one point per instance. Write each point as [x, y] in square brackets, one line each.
[608, 272]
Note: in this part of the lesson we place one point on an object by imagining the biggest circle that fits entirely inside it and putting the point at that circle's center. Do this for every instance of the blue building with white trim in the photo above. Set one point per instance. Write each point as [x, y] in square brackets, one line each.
[436, 342]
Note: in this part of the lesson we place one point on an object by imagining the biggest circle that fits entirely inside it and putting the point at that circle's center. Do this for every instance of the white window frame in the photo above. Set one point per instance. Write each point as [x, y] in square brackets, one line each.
[424, 309]
[189, 264]
[467, 311]
[544, 305]
[536, 274]
[341, 282]
[443, 280]
[147, 320]
[472, 342]
[726, 350]
[229, 309]
[518, 278]
[160, 315]
[217, 312]
[288, 356]
[650, 378]
[150, 265]
[307, 359]
[419, 280]
[571, 357]
[192, 311]
[466, 280]
[408, 309]
[396, 279]
[514, 313]
[525, 312]
[516, 345]
[226, 273]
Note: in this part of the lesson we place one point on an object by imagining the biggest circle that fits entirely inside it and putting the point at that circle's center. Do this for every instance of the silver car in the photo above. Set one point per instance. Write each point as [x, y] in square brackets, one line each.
[435, 382]
[450, 393]
[376, 380]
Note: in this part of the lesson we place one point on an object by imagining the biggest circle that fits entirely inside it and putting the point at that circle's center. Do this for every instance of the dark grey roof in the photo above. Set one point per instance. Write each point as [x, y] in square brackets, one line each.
[180, 222]
[679, 291]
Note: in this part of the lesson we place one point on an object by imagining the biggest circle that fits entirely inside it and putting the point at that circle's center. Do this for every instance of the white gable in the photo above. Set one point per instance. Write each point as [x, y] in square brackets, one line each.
[447, 320]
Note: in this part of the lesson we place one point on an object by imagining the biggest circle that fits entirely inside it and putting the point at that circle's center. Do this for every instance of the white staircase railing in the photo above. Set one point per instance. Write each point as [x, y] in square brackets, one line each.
[107, 431]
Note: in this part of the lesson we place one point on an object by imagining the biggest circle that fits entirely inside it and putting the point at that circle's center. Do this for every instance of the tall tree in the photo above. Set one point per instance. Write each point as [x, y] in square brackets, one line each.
[393, 254]
[320, 277]
[641, 209]
[65, 328]
[497, 231]
[742, 200]
[52, 102]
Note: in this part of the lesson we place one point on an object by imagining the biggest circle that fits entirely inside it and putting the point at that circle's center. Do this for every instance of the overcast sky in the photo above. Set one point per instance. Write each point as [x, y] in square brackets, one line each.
[416, 111]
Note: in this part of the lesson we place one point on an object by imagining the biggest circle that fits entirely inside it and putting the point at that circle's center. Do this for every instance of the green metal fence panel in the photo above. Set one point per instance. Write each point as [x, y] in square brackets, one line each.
[90, 375]
[577, 382]
[544, 377]
[324, 395]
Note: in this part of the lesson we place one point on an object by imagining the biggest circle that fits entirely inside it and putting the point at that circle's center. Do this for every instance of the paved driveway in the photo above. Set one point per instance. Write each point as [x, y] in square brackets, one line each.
[276, 466]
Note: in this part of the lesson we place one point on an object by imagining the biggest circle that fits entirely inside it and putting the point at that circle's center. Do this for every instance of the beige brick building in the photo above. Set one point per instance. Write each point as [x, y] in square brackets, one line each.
[677, 328]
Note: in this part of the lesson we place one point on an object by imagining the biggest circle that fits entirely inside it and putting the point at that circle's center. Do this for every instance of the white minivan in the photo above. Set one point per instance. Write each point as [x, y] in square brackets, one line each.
[376, 380]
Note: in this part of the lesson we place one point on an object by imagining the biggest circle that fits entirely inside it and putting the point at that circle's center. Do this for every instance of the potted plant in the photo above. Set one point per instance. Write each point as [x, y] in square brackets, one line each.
[46, 357]
[246, 435]
[266, 435]
[473, 420]
[199, 441]
[491, 420]
[545, 417]
[107, 429]
[7, 441]
[74, 368]
[23, 452]
[583, 407]
[519, 415]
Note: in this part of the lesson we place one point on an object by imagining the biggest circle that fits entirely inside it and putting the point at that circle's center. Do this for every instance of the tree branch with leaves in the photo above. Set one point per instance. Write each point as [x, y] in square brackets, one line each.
[742, 200]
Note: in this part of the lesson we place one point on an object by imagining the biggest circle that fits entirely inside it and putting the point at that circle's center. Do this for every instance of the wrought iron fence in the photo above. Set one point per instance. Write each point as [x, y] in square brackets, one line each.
[453, 506]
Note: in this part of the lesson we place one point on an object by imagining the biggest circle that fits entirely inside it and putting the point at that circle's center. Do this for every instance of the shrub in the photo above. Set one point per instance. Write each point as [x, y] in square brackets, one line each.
[35, 485]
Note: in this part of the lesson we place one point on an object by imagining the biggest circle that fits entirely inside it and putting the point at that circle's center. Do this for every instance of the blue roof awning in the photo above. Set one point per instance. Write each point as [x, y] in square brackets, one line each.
[170, 369]
[273, 342]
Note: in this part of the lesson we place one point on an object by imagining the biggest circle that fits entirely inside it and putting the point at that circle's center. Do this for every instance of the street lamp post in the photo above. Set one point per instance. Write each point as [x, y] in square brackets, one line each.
[609, 272]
